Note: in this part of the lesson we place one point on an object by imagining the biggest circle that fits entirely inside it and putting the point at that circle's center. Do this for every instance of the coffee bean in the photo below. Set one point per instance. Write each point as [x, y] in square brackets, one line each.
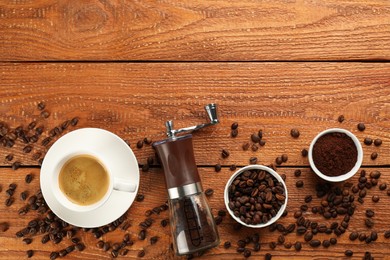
[301, 230]
[267, 256]
[234, 126]
[272, 245]
[16, 165]
[253, 160]
[284, 157]
[245, 146]
[298, 246]
[368, 141]
[308, 236]
[304, 152]
[361, 127]
[225, 153]
[294, 133]
[362, 236]
[106, 246]
[141, 253]
[387, 234]
[100, 244]
[308, 199]
[281, 239]
[353, 236]
[4, 226]
[9, 201]
[382, 186]
[41, 105]
[142, 234]
[140, 197]
[247, 253]
[209, 192]
[374, 235]
[29, 253]
[262, 142]
[377, 142]
[375, 198]
[369, 222]
[23, 195]
[45, 114]
[233, 167]
[9, 157]
[333, 241]
[341, 118]
[54, 255]
[254, 147]
[315, 243]
[153, 240]
[255, 138]
[374, 155]
[299, 184]
[79, 247]
[297, 173]
[279, 160]
[217, 167]
[348, 253]
[326, 243]
[297, 214]
[227, 244]
[74, 121]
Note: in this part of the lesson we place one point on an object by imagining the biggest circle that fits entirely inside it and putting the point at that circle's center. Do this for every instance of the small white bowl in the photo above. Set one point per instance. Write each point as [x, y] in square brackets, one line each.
[346, 175]
[255, 167]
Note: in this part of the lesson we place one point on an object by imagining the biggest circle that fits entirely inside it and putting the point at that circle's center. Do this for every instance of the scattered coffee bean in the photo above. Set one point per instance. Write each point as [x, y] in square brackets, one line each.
[308, 236]
[387, 234]
[209, 192]
[80, 247]
[141, 253]
[9, 157]
[353, 236]
[27, 241]
[147, 140]
[382, 186]
[333, 241]
[217, 167]
[299, 184]
[370, 213]
[361, 127]
[294, 133]
[247, 253]
[279, 160]
[341, 118]
[41, 106]
[74, 121]
[234, 126]
[4, 226]
[9, 201]
[377, 142]
[142, 234]
[153, 240]
[375, 198]
[140, 144]
[308, 198]
[304, 152]
[16, 165]
[254, 147]
[262, 142]
[374, 155]
[245, 146]
[315, 243]
[227, 244]
[368, 141]
[297, 173]
[45, 114]
[233, 167]
[225, 153]
[255, 138]
[326, 243]
[369, 222]
[140, 197]
[23, 195]
[29, 253]
[253, 160]
[54, 255]
[348, 253]
[284, 158]
[298, 246]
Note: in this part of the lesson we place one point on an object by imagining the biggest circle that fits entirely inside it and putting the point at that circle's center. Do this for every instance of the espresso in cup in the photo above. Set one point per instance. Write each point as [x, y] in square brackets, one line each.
[84, 180]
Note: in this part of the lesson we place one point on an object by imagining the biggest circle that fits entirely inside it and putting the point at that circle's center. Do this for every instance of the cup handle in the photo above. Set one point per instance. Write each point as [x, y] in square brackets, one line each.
[124, 185]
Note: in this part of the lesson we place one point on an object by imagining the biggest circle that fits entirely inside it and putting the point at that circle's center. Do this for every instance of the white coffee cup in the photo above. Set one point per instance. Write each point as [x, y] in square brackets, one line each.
[115, 183]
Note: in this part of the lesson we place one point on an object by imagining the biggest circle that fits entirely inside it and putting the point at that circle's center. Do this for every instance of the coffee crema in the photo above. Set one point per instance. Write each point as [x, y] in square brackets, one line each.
[83, 180]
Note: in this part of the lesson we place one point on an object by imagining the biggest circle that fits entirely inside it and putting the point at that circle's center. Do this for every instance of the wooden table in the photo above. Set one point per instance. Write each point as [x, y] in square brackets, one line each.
[129, 66]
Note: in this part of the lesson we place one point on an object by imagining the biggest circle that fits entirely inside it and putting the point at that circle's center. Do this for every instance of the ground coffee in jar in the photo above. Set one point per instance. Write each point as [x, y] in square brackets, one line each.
[334, 154]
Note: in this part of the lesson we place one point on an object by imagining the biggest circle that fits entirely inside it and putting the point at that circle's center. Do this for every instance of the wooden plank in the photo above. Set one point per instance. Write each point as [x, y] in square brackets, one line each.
[135, 100]
[189, 30]
[153, 188]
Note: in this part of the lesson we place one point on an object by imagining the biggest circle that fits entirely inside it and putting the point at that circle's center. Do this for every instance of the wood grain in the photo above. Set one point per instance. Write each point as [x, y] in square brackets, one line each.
[192, 31]
[135, 100]
[152, 186]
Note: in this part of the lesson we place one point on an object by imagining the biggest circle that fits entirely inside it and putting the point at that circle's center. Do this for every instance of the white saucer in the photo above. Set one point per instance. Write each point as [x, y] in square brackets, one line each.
[115, 154]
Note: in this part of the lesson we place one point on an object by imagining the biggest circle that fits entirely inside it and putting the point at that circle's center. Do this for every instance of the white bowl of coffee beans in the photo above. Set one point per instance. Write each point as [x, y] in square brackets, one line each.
[255, 196]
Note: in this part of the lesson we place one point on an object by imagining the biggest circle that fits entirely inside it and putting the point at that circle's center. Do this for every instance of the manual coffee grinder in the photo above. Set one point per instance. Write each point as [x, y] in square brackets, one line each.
[192, 224]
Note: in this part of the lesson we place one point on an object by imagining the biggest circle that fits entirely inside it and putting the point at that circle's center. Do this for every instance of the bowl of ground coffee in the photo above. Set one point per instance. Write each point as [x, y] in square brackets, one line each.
[255, 196]
[335, 155]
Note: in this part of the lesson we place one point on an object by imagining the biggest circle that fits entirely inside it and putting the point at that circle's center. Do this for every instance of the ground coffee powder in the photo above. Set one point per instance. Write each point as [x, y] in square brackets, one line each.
[334, 154]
